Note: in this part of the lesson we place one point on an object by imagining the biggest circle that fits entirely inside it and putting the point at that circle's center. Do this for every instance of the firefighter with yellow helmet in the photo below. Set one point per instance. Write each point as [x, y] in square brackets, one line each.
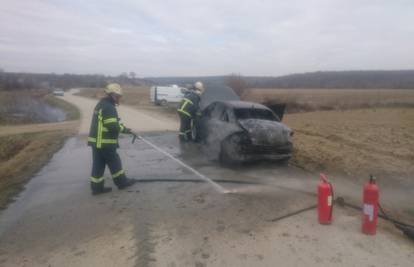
[188, 109]
[103, 138]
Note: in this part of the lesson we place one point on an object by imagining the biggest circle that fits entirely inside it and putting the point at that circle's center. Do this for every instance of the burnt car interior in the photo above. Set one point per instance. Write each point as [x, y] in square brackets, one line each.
[255, 113]
[228, 114]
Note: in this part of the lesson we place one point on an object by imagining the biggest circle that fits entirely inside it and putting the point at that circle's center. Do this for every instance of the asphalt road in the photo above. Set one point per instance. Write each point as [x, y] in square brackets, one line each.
[172, 218]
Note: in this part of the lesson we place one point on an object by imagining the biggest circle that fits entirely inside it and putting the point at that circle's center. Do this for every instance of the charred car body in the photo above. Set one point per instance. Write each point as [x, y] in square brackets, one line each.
[241, 131]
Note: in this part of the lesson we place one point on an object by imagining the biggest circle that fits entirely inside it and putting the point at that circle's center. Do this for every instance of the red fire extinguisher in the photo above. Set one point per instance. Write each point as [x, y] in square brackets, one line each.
[325, 198]
[370, 207]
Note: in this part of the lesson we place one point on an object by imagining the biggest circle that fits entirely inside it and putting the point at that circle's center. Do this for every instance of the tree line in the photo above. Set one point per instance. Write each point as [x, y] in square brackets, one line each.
[399, 79]
[19, 81]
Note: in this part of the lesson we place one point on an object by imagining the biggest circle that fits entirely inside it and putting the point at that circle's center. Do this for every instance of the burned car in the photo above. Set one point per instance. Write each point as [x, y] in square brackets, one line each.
[241, 131]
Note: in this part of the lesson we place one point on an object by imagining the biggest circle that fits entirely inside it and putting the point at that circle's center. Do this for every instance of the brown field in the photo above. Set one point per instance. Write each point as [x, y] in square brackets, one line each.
[356, 143]
[302, 100]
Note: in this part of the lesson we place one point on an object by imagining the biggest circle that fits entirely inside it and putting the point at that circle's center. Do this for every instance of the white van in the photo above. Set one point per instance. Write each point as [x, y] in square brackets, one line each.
[165, 95]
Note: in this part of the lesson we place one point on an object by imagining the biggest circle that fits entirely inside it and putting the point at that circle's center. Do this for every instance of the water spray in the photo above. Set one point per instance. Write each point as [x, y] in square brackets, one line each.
[203, 177]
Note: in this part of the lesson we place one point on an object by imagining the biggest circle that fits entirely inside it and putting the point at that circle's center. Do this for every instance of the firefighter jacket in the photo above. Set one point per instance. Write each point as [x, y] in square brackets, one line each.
[189, 106]
[105, 126]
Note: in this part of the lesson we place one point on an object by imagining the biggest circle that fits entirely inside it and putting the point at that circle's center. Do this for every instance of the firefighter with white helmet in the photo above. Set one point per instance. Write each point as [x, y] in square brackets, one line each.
[188, 109]
[199, 88]
[103, 138]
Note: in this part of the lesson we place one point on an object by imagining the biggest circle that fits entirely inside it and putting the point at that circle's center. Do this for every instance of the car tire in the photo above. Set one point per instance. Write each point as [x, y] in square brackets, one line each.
[163, 103]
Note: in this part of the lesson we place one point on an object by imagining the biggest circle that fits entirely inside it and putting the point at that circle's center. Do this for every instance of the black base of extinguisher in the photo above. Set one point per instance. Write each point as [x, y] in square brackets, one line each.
[407, 230]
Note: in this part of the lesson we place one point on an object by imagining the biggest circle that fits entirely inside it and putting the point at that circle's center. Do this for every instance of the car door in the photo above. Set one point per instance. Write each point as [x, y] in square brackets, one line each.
[218, 126]
[202, 125]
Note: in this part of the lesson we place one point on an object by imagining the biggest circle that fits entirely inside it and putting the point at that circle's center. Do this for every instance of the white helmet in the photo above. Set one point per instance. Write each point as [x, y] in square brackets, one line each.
[199, 87]
[113, 88]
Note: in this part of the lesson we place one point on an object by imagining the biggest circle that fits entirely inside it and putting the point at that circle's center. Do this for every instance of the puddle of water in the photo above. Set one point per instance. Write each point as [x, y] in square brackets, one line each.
[25, 108]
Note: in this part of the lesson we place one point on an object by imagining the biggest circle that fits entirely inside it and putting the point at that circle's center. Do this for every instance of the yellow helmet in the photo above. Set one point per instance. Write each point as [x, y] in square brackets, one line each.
[113, 88]
[199, 87]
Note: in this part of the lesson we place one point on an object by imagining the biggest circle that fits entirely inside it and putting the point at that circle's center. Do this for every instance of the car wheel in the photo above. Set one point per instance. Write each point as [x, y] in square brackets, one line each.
[163, 102]
[230, 150]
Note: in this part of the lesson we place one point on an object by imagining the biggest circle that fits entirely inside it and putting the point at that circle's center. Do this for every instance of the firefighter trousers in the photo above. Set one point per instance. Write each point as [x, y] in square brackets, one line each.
[186, 125]
[106, 156]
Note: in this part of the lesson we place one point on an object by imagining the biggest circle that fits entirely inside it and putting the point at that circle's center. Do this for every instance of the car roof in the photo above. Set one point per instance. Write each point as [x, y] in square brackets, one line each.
[243, 104]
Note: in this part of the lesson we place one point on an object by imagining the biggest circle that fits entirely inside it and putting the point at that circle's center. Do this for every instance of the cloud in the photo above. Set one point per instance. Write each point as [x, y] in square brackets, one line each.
[205, 37]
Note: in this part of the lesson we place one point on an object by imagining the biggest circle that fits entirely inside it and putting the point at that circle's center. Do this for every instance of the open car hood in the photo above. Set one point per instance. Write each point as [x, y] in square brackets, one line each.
[265, 132]
[216, 92]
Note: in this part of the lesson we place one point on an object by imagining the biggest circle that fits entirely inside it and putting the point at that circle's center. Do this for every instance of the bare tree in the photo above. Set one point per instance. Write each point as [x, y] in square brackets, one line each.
[132, 75]
[237, 83]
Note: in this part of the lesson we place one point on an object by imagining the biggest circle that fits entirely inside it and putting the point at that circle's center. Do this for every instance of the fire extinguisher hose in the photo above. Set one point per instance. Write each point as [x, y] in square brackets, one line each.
[407, 229]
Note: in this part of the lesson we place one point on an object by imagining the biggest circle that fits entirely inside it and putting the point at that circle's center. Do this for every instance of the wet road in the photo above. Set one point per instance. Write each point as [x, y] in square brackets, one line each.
[171, 218]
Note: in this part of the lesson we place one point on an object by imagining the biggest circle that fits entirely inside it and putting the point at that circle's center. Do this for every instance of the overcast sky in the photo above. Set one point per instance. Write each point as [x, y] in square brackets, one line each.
[211, 37]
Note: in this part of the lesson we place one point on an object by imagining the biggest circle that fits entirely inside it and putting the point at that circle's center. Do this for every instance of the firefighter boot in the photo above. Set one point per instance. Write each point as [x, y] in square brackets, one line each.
[97, 189]
[127, 182]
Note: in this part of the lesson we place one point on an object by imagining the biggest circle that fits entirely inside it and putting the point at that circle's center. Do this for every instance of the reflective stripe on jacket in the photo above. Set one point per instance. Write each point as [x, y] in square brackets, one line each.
[190, 104]
[105, 125]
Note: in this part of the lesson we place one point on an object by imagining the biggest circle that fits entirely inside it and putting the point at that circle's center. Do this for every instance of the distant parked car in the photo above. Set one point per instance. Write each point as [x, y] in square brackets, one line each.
[58, 92]
[243, 131]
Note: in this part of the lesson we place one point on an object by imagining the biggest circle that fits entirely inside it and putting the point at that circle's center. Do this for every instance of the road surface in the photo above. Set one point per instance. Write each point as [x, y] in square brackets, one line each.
[173, 219]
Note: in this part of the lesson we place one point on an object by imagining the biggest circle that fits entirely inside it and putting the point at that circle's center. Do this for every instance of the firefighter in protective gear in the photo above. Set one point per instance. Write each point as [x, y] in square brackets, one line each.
[188, 110]
[103, 138]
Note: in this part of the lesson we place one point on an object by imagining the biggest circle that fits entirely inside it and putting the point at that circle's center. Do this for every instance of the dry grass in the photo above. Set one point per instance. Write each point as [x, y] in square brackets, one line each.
[303, 100]
[356, 143]
[22, 155]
